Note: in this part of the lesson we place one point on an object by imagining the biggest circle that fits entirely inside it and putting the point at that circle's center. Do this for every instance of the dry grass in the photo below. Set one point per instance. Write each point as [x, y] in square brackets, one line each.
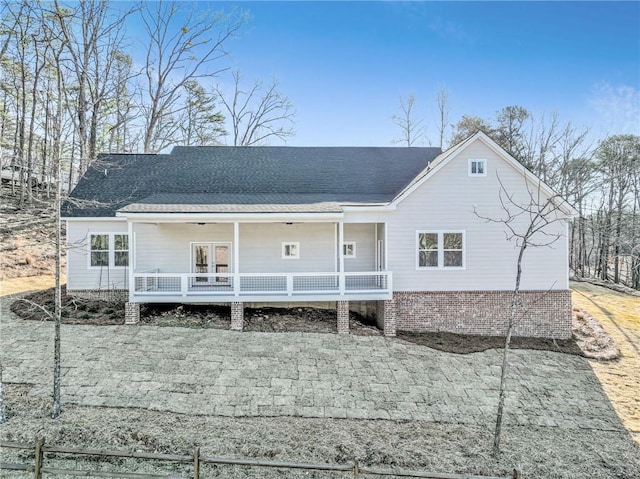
[537, 452]
[26, 246]
[619, 315]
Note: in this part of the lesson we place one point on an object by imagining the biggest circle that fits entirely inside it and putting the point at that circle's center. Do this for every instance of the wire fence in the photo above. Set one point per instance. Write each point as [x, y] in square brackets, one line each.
[39, 460]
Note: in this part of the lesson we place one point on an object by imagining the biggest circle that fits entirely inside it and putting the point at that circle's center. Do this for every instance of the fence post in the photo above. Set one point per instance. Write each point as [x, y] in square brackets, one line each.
[516, 474]
[196, 463]
[356, 470]
[38, 460]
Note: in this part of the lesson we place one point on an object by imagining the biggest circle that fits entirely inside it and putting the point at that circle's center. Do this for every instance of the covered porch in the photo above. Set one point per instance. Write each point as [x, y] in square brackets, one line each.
[246, 258]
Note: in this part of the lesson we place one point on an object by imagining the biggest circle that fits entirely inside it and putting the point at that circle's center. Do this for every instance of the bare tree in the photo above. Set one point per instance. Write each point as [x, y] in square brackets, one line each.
[258, 113]
[92, 34]
[529, 224]
[3, 411]
[442, 100]
[411, 129]
[180, 50]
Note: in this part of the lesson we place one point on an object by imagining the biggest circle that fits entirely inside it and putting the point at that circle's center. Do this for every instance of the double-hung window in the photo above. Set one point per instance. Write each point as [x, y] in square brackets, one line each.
[477, 167]
[99, 250]
[349, 249]
[440, 249]
[121, 250]
[291, 250]
[109, 250]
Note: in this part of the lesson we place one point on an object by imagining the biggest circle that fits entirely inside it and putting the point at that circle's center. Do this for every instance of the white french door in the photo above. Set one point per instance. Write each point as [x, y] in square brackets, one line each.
[210, 258]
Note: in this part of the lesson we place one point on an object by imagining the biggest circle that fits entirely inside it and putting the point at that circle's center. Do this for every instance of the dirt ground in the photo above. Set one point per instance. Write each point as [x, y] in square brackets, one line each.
[619, 314]
[26, 239]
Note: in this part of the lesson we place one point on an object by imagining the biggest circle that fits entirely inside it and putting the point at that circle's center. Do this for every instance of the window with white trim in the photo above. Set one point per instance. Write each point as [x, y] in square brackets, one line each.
[349, 249]
[291, 250]
[477, 167]
[440, 249]
[109, 250]
[99, 250]
[121, 250]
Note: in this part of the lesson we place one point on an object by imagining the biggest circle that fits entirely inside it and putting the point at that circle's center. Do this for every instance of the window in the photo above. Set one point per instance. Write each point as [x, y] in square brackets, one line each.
[109, 250]
[121, 250]
[349, 249]
[477, 167]
[290, 250]
[99, 250]
[440, 249]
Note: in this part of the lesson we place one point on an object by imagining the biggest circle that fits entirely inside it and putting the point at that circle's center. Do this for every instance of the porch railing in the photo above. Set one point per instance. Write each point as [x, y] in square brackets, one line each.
[261, 284]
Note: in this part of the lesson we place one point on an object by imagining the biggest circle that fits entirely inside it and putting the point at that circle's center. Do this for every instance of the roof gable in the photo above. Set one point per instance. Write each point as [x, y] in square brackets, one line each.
[447, 156]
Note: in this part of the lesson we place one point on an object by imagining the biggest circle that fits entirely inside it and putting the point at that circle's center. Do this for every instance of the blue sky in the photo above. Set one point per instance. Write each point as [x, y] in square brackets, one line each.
[346, 64]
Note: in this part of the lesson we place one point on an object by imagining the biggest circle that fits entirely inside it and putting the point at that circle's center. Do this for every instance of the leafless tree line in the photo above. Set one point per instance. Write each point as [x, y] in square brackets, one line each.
[74, 83]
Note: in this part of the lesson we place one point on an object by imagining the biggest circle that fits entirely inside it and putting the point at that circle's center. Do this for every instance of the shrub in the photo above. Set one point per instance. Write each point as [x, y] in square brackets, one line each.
[84, 316]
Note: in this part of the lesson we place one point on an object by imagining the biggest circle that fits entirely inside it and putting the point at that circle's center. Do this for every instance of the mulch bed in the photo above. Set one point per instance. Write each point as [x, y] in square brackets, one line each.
[467, 343]
[74, 310]
[589, 339]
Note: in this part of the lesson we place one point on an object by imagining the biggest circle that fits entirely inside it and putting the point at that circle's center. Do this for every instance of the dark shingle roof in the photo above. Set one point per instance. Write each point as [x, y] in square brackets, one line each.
[220, 175]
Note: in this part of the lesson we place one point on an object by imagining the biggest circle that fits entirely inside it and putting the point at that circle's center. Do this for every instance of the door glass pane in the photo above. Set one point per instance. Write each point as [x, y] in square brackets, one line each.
[222, 262]
[201, 262]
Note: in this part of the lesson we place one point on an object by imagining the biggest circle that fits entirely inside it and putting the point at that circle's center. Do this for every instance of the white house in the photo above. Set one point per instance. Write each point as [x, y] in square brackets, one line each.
[401, 230]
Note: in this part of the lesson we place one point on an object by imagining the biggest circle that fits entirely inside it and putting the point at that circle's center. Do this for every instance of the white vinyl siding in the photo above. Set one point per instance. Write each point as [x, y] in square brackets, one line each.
[446, 202]
[261, 247]
[80, 274]
[168, 247]
[363, 236]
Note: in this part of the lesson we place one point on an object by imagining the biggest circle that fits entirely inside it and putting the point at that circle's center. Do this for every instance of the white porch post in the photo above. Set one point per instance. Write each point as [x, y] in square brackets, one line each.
[341, 256]
[236, 258]
[131, 259]
[386, 248]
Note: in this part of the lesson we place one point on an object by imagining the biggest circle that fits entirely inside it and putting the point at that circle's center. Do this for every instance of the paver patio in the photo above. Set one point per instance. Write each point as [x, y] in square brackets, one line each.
[218, 372]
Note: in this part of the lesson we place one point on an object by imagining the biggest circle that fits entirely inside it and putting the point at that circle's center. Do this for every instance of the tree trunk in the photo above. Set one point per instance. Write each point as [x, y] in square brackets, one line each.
[3, 413]
[58, 301]
[513, 311]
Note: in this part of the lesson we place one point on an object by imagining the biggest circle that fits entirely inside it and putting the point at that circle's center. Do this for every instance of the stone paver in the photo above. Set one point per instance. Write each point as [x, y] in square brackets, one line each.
[228, 373]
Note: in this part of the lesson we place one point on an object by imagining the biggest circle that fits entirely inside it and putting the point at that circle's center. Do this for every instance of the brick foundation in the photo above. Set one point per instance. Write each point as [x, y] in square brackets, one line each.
[386, 317]
[544, 314]
[131, 313]
[237, 316]
[112, 295]
[342, 312]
